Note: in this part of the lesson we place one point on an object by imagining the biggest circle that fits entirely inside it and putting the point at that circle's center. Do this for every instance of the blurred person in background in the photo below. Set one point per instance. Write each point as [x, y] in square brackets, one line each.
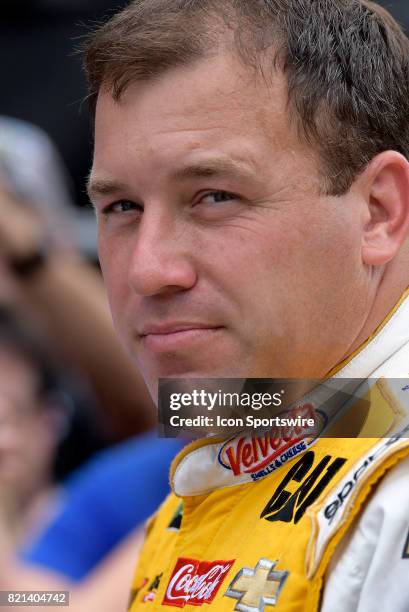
[31, 423]
[32, 419]
[72, 535]
[44, 275]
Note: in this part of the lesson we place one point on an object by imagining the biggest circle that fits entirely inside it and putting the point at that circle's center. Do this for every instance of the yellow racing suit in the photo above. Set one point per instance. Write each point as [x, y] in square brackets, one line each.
[255, 523]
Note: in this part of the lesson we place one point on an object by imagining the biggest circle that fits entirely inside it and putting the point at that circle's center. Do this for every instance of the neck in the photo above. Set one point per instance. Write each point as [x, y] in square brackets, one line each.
[392, 284]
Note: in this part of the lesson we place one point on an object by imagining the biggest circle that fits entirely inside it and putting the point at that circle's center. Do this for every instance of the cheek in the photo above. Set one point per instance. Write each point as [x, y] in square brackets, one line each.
[291, 265]
[248, 270]
[321, 242]
[114, 272]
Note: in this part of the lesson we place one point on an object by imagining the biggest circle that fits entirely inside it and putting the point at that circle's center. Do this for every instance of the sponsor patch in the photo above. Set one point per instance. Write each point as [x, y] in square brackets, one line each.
[258, 456]
[257, 588]
[195, 582]
[288, 505]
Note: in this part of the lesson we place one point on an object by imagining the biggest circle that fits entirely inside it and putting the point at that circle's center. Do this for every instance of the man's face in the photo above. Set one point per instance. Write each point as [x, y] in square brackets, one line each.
[221, 255]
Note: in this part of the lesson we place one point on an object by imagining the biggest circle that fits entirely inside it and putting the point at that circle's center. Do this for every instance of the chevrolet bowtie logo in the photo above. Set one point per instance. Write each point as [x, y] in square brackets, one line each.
[257, 588]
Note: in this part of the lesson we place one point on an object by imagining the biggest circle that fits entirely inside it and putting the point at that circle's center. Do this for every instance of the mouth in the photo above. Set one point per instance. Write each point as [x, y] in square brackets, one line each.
[168, 338]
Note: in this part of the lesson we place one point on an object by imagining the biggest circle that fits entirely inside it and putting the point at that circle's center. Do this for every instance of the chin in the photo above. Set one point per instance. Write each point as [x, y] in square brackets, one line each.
[175, 369]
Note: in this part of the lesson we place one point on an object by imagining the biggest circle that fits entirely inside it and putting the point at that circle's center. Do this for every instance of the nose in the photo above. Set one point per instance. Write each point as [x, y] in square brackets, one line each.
[161, 259]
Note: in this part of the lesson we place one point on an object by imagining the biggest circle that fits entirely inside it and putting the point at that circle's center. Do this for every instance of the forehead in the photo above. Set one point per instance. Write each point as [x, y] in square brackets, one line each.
[216, 103]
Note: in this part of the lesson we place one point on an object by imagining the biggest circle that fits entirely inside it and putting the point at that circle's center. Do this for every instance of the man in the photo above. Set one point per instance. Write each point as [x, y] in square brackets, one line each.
[251, 185]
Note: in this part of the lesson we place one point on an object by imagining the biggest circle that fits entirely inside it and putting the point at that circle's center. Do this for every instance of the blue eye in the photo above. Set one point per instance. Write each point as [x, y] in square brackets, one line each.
[217, 197]
[122, 206]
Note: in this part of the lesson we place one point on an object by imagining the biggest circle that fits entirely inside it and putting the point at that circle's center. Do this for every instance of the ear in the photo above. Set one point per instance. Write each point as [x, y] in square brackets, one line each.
[385, 183]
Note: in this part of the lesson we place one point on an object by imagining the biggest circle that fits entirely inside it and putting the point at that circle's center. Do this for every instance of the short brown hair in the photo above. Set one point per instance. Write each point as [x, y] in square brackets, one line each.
[346, 64]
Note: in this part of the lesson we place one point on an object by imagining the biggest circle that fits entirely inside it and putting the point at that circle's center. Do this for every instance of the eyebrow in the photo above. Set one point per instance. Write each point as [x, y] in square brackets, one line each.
[213, 169]
[207, 169]
[103, 187]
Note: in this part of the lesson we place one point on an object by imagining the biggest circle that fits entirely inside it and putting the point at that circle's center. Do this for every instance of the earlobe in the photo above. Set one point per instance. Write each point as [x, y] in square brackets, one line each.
[386, 181]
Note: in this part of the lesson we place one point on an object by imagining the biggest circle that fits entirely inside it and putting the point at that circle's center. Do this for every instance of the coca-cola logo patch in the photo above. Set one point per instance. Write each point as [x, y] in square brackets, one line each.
[195, 582]
[258, 456]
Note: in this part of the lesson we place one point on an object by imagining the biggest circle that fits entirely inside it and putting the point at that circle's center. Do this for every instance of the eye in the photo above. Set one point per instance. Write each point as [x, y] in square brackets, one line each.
[217, 197]
[122, 206]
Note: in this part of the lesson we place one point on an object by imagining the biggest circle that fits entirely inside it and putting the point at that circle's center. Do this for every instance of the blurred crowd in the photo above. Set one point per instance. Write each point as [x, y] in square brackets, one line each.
[81, 468]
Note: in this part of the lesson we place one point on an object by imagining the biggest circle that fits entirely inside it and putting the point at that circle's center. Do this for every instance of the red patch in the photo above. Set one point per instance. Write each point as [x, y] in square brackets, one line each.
[195, 582]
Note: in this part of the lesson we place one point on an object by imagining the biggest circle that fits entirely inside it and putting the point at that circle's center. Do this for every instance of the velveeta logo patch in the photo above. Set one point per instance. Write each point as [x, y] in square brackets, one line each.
[261, 455]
